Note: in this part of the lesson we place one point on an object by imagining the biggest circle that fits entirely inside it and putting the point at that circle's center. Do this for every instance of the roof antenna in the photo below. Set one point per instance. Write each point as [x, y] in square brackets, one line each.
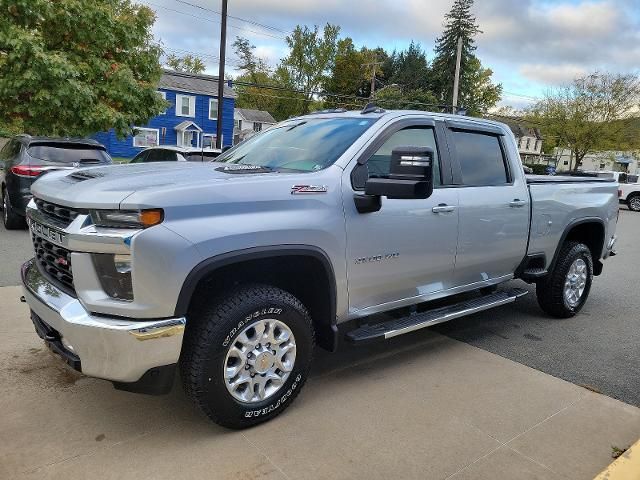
[370, 108]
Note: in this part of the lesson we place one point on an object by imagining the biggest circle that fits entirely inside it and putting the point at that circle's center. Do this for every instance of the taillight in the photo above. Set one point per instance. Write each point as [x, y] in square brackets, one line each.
[26, 171]
[619, 192]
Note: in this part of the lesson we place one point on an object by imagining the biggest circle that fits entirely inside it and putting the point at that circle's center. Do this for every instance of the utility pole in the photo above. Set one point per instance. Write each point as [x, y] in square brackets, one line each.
[456, 79]
[223, 48]
[374, 66]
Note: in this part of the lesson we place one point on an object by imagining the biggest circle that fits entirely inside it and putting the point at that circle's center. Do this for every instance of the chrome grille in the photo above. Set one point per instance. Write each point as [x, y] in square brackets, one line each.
[60, 213]
[54, 261]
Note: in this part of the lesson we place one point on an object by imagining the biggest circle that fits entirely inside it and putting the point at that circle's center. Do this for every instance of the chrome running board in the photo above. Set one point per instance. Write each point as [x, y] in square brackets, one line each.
[399, 326]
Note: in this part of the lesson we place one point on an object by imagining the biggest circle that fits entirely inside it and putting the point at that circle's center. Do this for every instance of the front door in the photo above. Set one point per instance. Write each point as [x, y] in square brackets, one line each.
[405, 252]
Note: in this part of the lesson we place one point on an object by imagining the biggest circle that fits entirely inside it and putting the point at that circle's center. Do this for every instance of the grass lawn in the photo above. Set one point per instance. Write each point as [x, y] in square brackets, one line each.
[120, 160]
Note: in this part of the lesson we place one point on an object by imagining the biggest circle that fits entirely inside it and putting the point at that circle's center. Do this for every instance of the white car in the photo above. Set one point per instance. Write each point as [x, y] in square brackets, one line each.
[172, 153]
[629, 194]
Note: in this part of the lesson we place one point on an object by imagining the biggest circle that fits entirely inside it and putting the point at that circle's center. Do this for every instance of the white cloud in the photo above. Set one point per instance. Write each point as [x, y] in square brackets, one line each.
[552, 74]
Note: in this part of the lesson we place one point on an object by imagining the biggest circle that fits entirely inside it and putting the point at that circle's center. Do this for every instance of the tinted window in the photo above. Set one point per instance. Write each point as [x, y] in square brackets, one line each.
[139, 158]
[160, 155]
[378, 164]
[202, 156]
[481, 159]
[304, 145]
[68, 153]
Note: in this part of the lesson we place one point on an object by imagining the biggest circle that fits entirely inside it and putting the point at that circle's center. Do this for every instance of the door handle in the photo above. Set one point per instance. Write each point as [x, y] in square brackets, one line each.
[443, 208]
[516, 203]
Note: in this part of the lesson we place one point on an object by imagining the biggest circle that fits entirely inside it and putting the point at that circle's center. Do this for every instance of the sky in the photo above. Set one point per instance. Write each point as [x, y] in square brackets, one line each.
[531, 45]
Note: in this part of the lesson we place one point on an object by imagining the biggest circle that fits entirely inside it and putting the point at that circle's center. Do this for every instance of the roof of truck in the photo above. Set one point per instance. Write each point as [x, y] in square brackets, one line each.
[381, 113]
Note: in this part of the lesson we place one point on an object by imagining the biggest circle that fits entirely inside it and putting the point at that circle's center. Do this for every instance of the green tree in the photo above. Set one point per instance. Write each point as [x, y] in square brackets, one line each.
[186, 63]
[475, 81]
[409, 68]
[310, 60]
[396, 98]
[71, 67]
[261, 89]
[593, 113]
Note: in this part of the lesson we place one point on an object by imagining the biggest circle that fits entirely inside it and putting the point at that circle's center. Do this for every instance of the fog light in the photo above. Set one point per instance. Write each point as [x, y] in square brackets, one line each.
[114, 272]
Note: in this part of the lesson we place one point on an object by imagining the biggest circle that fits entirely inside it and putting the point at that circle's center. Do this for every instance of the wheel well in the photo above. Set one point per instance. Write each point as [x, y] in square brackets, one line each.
[589, 233]
[632, 194]
[305, 277]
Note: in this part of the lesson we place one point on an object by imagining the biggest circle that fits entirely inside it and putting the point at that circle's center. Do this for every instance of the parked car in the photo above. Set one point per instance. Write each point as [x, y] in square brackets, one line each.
[26, 158]
[168, 153]
[630, 195]
[232, 270]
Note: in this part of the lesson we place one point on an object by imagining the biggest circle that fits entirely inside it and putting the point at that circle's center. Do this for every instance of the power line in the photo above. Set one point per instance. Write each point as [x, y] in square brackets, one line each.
[212, 20]
[252, 22]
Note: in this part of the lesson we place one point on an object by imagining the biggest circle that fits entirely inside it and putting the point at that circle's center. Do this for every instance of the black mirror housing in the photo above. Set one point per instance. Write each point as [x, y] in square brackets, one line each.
[410, 175]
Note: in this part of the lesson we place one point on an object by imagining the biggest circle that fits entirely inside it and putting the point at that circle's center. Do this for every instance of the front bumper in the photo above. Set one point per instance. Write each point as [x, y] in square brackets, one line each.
[118, 349]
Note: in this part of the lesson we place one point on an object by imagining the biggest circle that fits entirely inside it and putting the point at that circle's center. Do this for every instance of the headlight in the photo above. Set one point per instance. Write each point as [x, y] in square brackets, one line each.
[127, 218]
[114, 272]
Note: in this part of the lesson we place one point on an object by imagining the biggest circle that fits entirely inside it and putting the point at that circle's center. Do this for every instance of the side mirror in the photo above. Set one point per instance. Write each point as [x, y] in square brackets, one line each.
[410, 175]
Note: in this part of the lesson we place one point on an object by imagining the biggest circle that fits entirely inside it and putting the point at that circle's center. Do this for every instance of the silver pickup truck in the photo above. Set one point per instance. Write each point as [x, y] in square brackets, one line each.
[231, 271]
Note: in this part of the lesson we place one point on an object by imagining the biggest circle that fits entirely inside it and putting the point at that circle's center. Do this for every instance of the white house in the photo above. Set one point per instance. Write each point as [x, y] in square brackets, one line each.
[247, 122]
[617, 161]
[529, 142]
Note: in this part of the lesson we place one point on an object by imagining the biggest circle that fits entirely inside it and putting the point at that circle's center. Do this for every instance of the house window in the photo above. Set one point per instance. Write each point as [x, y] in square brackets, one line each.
[257, 127]
[528, 143]
[146, 137]
[602, 165]
[566, 162]
[213, 109]
[185, 106]
[237, 124]
[536, 146]
[209, 140]
[164, 97]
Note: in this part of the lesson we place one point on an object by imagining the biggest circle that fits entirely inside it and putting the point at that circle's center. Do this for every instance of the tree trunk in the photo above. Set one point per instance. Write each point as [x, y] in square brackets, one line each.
[578, 161]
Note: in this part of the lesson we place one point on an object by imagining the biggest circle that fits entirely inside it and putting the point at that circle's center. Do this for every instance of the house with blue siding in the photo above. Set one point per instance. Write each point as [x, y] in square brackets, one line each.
[190, 120]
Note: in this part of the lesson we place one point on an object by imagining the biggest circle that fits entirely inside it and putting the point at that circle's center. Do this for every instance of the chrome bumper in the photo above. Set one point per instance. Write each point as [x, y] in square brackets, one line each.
[116, 349]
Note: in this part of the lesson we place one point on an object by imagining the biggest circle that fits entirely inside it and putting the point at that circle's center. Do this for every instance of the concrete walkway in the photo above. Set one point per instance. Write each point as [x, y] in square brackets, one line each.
[423, 406]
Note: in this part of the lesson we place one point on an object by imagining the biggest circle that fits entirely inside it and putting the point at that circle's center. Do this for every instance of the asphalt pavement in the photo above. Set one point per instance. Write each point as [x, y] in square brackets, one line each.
[15, 249]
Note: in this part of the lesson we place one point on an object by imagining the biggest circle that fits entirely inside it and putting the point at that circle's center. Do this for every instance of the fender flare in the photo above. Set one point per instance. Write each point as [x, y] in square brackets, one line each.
[566, 232]
[210, 265]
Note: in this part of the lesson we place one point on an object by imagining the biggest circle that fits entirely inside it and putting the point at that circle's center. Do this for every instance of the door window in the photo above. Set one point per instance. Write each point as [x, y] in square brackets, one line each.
[160, 155]
[378, 164]
[481, 159]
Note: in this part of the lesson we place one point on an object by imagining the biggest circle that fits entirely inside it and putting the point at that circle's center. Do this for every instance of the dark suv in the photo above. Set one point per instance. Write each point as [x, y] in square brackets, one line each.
[26, 158]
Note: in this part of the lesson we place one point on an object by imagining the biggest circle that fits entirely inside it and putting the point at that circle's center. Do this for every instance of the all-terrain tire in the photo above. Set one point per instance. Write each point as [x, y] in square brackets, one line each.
[214, 327]
[551, 291]
[10, 219]
[633, 202]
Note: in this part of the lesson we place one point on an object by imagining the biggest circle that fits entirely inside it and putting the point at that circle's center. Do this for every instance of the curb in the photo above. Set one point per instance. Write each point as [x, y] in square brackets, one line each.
[625, 467]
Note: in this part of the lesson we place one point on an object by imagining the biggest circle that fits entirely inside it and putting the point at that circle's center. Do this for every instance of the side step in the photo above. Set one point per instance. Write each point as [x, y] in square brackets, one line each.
[399, 326]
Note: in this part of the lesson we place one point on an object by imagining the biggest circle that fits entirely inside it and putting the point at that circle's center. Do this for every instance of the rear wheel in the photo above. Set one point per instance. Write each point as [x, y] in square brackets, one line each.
[247, 355]
[634, 203]
[10, 219]
[564, 291]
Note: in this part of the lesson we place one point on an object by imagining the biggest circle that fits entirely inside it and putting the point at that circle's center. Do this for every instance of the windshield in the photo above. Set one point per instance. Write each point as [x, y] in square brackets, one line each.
[304, 145]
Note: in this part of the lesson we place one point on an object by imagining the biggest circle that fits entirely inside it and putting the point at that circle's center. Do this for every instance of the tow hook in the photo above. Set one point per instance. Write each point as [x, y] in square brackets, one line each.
[22, 299]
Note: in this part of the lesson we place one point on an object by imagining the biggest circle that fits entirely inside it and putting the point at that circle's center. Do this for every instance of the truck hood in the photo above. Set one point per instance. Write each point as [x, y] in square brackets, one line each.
[107, 187]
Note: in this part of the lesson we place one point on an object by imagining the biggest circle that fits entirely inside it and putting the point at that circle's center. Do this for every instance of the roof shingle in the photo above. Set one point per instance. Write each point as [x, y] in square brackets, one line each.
[193, 83]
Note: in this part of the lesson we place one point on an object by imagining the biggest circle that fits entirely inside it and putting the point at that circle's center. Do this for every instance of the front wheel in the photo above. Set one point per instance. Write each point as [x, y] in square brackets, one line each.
[634, 203]
[564, 291]
[247, 355]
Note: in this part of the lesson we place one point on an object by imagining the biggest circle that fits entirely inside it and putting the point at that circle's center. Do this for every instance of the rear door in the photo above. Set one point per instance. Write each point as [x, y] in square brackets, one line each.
[493, 204]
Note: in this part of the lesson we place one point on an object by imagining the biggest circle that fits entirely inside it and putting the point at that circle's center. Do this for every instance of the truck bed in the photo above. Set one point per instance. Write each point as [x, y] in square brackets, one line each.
[558, 202]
